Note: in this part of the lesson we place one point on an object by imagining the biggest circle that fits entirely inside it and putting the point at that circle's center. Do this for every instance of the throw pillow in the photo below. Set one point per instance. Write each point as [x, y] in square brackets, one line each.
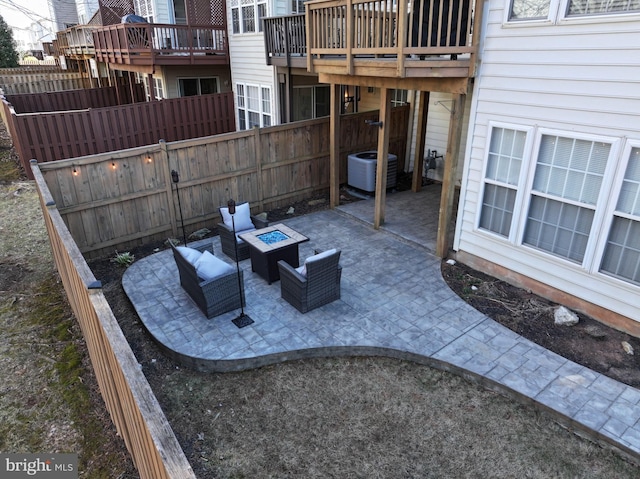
[190, 254]
[242, 217]
[209, 267]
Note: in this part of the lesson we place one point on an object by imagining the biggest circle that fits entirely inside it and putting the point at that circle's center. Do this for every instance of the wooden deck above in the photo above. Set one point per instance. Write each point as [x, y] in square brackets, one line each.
[379, 38]
[148, 44]
[80, 42]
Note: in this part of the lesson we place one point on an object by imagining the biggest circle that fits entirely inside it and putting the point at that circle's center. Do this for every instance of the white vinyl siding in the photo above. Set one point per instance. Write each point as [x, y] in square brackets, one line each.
[566, 77]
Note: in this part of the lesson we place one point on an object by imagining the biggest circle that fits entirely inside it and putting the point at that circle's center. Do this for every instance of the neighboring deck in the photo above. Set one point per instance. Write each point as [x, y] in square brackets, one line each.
[378, 38]
[148, 44]
[76, 42]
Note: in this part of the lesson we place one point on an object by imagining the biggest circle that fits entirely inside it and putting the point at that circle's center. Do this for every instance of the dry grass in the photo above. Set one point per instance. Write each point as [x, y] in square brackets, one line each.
[49, 400]
[367, 418]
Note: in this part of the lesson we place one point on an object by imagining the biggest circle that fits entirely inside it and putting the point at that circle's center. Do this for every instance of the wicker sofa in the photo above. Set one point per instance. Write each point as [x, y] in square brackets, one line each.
[315, 283]
[213, 296]
[244, 223]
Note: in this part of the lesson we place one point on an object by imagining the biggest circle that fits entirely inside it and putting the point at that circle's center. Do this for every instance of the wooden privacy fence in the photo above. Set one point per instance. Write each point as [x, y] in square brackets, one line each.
[122, 200]
[14, 81]
[75, 99]
[59, 135]
[31, 69]
[127, 395]
[42, 86]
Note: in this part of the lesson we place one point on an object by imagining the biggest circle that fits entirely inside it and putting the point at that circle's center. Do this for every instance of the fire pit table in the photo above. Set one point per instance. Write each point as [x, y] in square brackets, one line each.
[269, 245]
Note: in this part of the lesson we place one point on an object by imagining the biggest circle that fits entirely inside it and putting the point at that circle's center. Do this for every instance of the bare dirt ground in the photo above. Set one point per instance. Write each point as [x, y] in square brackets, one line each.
[589, 342]
[320, 418]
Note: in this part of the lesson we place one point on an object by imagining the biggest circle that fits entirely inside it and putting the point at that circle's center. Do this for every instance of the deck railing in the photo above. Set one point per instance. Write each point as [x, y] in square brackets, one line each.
[285, 37]
[80, 40]
[144, 42]
[383, 28]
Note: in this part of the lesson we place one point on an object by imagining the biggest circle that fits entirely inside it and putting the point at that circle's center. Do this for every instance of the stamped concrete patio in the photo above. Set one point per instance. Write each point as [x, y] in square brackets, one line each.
[394, 303]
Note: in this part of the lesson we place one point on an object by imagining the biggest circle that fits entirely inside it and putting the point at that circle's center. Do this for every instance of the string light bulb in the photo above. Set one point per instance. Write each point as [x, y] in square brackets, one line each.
[113, 165]
[75, 171]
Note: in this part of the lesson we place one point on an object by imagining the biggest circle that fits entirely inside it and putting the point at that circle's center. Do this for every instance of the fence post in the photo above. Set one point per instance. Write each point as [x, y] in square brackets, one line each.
[259, 159]
[166, 178]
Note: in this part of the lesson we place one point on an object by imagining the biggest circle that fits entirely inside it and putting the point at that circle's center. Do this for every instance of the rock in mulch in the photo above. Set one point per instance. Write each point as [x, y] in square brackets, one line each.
[565, 317]
[627, 348]
[596, 333]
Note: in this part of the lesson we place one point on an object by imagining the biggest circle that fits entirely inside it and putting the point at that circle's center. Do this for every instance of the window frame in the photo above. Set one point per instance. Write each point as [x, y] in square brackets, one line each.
[551, 17]
[567, 5]
[529, 131]
[610, 213]
[604, 196]
[238, 22]
[242, 104]
[559, 14]
[314, 99]
[199, 84]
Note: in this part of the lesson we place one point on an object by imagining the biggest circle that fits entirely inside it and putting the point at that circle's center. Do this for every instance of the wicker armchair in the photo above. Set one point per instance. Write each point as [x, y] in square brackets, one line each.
[316, 285]
[215, 296]
[228, 240]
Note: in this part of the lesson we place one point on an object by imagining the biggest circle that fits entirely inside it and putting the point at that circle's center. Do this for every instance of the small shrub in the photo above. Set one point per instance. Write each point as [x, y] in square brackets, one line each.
[123, 259]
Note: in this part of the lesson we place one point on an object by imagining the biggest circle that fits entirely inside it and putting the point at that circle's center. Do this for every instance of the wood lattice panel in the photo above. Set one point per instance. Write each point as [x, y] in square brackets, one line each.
[112, 11]
[206, 12]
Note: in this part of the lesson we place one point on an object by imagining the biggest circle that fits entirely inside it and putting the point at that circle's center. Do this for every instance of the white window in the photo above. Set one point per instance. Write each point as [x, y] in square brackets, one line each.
[247, 15]
[266, 106]
[197, 86]
[502, 175]
[399, 97]
[572, 196]
[528, 9]
[297, 6]
[254, 106]
[598, 7]
[158, 88]
[622, 251]
[566, 185]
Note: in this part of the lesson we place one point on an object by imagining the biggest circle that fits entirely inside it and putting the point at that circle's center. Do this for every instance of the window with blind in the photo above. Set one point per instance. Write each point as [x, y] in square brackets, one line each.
[506, 152]
[622, 252]
[599, 7]
[566, 186]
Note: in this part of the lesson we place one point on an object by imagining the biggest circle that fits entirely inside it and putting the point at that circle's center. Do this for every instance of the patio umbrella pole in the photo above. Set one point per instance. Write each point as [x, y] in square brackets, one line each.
[176, 178]
[244, 319]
